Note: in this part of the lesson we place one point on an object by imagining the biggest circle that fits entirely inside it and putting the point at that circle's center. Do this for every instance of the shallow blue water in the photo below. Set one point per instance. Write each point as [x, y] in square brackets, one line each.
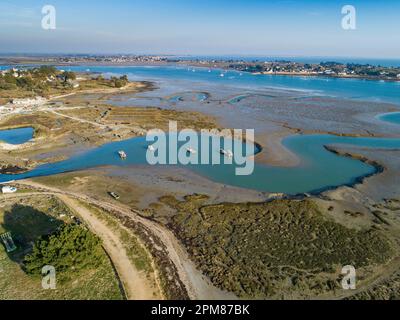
[319, 169]
[16, 136]
[391, 117]
[344, 88]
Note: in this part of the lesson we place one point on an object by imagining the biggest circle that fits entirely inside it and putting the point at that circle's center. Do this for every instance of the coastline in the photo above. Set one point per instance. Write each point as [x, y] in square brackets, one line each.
[216, 66]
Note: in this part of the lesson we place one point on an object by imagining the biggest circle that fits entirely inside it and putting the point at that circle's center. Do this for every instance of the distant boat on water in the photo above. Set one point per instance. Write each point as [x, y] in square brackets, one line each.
[122, 154]
[191, 150]
[226, 153]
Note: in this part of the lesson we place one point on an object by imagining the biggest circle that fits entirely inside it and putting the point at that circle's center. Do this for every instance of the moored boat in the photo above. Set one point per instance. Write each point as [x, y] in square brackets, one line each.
[191, 150]
[226, 153]
[122, 154]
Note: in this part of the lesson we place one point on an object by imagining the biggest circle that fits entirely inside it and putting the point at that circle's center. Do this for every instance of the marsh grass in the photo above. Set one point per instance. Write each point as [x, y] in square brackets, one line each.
[275, 249]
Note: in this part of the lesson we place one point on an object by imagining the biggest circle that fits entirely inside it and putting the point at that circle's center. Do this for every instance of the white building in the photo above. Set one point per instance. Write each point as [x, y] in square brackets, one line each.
[8, 189]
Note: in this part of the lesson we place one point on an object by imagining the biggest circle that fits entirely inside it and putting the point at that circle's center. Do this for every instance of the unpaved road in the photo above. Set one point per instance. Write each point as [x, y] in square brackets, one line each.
[103, 126]
[135, 284]
[197, 285]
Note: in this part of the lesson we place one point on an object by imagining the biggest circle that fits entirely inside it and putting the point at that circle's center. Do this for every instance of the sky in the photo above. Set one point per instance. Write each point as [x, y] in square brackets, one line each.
[206, 27]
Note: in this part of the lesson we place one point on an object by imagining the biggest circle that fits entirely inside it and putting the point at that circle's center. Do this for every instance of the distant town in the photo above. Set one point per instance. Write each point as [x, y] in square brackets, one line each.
[273, 67]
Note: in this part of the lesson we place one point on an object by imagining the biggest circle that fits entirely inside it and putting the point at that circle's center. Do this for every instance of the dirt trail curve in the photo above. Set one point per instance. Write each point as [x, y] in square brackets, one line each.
[103, 126]
[197, 286]
[134, 282]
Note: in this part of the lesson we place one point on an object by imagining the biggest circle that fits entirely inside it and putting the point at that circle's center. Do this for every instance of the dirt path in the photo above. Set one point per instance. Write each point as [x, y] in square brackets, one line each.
[103, 126]
[197, 285]
[135, 284]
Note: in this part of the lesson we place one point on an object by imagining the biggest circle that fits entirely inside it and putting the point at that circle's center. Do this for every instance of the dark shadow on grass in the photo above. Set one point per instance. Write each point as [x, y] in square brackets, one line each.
[26, 225]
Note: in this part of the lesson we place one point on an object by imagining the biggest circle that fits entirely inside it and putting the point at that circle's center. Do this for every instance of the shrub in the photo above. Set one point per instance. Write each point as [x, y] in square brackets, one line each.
[71, 247]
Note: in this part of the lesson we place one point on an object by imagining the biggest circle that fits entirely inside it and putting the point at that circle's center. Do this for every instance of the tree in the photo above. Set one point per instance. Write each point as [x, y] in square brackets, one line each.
[72, 246]
[47, 70]
[68, 76]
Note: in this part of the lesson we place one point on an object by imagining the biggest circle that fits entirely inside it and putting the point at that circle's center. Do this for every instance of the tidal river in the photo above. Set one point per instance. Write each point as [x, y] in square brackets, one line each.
[319, 168]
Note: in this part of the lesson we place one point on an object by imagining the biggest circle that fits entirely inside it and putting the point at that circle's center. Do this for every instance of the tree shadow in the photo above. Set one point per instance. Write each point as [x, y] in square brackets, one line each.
[26, 225]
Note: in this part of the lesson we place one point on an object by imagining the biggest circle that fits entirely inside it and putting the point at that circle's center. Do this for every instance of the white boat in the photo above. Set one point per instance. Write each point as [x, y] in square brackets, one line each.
[151, 148]
[122, 154]
[226, 153]
[222, 75]
[191, 150]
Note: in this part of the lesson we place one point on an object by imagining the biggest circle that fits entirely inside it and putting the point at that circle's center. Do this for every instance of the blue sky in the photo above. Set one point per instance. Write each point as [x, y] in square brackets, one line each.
[206, 27]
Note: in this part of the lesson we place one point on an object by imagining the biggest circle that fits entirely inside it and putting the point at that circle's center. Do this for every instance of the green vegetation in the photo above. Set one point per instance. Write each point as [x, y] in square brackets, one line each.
[71, 247]
[271, 250]
[136, 252]
[120, 82]
[43, 230]
[388, 289]
[48, 80]
[38, 81]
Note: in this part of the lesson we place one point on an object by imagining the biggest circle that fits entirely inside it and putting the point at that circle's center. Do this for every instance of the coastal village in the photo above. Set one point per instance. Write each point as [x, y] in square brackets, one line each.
[331, 69]
[256, 66]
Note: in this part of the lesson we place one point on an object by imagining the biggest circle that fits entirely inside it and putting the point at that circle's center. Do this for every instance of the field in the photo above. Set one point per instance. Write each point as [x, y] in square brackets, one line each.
[29, 218]
[283, 248]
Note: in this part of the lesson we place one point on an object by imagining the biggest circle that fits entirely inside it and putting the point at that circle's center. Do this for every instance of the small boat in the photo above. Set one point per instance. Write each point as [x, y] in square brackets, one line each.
[114, 195]
[222, 75]
[191, 150]
[122, 154]
[227, 153]
[151, 148]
